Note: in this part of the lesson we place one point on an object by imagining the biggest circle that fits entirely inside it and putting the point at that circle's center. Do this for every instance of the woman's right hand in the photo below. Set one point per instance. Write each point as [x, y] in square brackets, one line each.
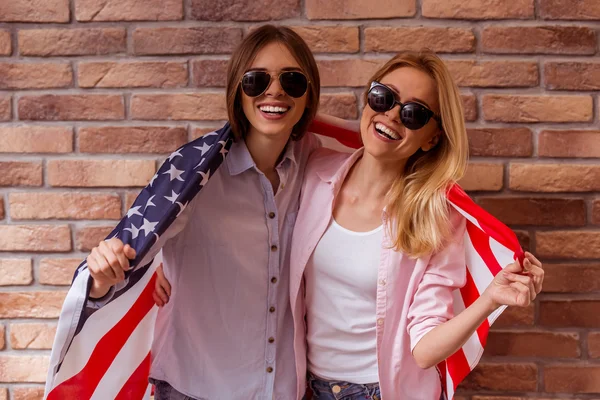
[162, 288]
[107, 264]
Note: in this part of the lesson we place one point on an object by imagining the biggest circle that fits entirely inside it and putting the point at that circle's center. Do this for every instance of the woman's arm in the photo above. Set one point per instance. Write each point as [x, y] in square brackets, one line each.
[513, 286]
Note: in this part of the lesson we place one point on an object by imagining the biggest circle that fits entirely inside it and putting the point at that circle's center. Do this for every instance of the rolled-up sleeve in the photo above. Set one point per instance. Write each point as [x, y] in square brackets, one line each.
[432, 304]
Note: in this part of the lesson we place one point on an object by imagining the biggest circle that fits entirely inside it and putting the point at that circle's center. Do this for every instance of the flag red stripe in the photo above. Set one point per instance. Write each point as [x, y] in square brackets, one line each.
[481, 243]
[82, 385]
[469, 294]
[344, 136]
[137, 384]
[458, 367]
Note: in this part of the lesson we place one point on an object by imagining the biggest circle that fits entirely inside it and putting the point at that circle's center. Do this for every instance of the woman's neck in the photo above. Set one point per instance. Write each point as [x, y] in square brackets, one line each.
[372, 179]
[266, 150]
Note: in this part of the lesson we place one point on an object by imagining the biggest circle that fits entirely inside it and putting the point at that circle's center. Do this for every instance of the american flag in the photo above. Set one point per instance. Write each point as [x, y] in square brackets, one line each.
[105, 353]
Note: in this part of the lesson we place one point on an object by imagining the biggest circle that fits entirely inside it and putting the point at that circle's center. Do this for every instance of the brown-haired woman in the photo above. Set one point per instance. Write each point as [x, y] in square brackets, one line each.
[227, 330]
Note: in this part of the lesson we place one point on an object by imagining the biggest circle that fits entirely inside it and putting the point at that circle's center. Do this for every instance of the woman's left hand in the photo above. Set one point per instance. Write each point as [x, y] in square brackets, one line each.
[517, 285]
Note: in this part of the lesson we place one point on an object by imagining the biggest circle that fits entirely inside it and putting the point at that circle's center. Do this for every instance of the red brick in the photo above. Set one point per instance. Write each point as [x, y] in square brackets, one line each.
[57, 271]
[132, 74]
[65, 205]
[568, 278]
[531, 108]
[34, 11]
[36, 139]
[5, 43]
[31, 305]
[572, 379]
[28, 393]
[235, 10]
[540, 40]
[342, 105]
[5, 108]
[35, 238]
[130, 198]
[577, 144]
[100, 173]
[35, 76]
[84, 107]
[330, 39]
[3, 393]
[25, 368]
[570, 313]
[478, 9]
[1, 208]
[20, 173]
[197, 132]
[209, 73]
[500, 142]
[503, 377]
[200, 40]
[596, 212]
[533, 344]
[32, 336]
[516, 316]
[554, 177]
[128, 10]
[572, 75]
[131, 139]
[594, 344]
[441, 40]
[352, 72]
[568, 244]
[475, 73]
[359, 9]
[89, 237]
[181, 106]
[569, 9]
[72, 42]
[536, 211]
[15, 271]
[483, 176]
[470, 106]
[2, 344]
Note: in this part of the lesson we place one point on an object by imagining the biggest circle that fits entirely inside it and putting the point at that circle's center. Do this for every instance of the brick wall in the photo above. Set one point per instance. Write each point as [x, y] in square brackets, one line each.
[92, 87]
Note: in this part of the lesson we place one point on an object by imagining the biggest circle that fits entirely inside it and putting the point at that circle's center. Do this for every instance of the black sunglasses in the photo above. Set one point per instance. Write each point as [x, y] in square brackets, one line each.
[412, 115]
[255, 83]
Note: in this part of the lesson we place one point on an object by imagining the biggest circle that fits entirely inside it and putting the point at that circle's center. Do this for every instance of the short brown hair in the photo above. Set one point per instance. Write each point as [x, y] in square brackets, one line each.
[243, 56]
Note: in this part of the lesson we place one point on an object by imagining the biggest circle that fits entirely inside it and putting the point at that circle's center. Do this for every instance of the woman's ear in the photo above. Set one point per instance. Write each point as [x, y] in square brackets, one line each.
[432, 142]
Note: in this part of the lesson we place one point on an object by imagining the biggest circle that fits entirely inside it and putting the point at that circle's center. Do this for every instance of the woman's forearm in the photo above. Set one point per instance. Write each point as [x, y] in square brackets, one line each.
[444, 340]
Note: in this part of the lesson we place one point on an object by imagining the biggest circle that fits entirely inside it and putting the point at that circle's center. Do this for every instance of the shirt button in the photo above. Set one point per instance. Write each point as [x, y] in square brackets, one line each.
[273, 248]
[269, 369]
[273, 280]
[336, 389]
[382, 282]
[272, 309]
[380, 321]
[271, 215]
[271, 339]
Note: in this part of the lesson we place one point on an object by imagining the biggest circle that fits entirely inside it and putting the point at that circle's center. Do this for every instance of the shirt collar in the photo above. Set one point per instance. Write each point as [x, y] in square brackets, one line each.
[240, 160]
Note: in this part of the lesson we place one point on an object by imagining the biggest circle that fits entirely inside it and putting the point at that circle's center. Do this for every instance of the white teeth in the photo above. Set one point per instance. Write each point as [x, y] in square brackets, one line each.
[382, 128]
[273, 109]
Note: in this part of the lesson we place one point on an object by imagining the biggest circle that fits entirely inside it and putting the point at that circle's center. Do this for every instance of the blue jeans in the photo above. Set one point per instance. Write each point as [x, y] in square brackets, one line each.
[340, 390]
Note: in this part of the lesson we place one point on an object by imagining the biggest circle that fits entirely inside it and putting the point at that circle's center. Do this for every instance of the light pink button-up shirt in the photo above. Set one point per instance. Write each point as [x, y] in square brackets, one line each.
[413, 295]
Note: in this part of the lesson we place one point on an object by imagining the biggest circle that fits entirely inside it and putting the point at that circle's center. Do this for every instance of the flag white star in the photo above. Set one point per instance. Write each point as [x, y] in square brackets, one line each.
[173, 197]
[211, 134]
[204, 148]
[148, 227]
[205, 177]
[181, 207]
[134, 211]
[175, 154]
[174, 173]
[223, 149]
[200, 163]
[134, 231]
[149, 203]
[153, 178]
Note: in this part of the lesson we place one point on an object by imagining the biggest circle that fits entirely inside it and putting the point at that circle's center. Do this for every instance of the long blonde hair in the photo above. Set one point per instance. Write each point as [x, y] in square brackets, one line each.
[417, 204]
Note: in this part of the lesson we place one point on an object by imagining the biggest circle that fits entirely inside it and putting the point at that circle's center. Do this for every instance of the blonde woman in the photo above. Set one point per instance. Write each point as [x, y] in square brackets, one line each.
[377, 251]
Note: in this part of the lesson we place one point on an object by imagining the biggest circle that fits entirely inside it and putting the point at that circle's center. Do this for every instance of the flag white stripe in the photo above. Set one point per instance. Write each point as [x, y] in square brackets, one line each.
[472, 348]
[98, 324]
[481, 274]
[128, 360]
[465, 214]
[449, 384]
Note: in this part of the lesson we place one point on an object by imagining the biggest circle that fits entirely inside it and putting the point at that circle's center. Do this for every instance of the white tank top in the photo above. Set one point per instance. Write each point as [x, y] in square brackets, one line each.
[341, 291]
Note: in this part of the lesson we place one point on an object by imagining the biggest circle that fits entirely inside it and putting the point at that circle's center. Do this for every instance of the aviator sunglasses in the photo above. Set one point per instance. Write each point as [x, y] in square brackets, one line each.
[412, 115]
[293, 83]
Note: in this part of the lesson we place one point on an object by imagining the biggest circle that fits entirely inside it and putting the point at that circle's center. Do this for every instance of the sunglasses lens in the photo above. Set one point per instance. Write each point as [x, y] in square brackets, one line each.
[254, 83]
[380, 99]
[294, 83]
[414, 116]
